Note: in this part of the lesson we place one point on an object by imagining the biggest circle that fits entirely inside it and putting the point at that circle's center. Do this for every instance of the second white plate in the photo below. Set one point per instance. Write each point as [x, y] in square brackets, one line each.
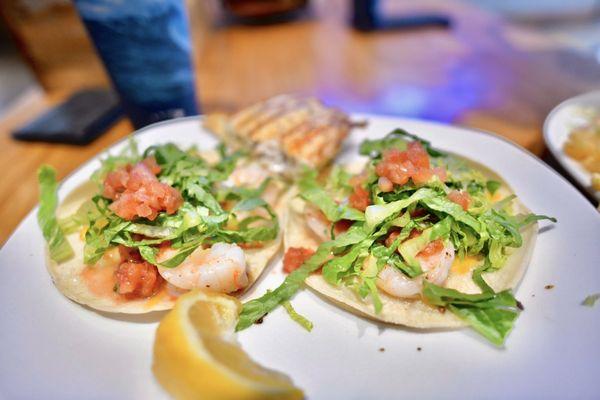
[557, 128]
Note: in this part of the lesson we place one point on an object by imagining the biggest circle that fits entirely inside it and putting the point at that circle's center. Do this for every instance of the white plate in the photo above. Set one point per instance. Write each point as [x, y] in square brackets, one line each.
[557, 128]
[51, 347]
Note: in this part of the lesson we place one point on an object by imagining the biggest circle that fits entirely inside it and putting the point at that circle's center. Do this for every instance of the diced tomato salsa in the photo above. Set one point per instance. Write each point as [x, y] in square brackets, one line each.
[360, 198]
[342, 226]
[391, 237]
[461, 198]
[432, 248]
[294, 257]
[385, 185]
[413, 163]
[129, 254]
[418, 212]
[137, 279]
[138, 193]
[414, 233]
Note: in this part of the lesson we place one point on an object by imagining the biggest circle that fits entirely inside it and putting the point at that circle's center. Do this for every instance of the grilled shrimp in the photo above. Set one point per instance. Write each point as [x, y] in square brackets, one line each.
[435, 269]
[221, 268]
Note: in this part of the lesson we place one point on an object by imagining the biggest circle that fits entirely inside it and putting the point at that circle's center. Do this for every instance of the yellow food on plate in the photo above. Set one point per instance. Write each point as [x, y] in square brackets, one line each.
[197, 356]
[583, 145]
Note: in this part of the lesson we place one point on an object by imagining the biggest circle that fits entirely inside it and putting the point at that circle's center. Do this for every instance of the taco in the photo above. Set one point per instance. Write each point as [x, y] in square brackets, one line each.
[149, 227]
[412, 236]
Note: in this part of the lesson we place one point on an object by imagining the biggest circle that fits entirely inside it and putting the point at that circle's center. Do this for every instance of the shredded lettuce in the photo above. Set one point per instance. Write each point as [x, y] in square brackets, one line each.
[376, 214]
[374, 148]
[58, 246]
[410, 248]
[443, 205]
[339, 181]
[337, 266]
[368, 277]
[313, 192]
[492, 186]
[255, 309]
[489, 313]
[201, 218]
[77, 220]
[590, 300]
[389, 256]
[299, 319]
[99, 239]
[396, 139]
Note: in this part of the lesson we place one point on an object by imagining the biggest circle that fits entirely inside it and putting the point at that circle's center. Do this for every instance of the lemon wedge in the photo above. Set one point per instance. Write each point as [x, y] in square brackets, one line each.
[197, 356]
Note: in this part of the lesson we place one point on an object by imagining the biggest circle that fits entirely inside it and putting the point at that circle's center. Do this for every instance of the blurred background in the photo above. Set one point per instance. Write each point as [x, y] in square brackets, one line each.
[495, 65]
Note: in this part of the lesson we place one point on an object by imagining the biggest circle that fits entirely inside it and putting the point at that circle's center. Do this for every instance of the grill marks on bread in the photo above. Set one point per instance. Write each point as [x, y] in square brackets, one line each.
[303, 128]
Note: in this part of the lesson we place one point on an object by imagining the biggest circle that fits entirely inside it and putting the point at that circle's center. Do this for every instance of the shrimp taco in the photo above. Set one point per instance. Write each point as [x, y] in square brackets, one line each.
[148, 227]
[412, 236]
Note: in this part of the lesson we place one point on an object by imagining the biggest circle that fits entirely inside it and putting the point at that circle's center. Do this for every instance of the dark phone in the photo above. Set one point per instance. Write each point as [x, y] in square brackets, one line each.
[79, 120]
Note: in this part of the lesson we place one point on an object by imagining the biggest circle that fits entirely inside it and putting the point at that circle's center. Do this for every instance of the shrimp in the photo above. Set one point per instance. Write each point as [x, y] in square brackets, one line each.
[435, 267]
[221, 268]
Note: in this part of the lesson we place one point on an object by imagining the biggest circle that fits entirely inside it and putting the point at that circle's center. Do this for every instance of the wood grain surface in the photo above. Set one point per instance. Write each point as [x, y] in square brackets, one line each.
[482, 73]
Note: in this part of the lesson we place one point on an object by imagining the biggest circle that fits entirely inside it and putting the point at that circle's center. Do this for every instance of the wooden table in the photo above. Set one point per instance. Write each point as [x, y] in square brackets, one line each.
[480, 73]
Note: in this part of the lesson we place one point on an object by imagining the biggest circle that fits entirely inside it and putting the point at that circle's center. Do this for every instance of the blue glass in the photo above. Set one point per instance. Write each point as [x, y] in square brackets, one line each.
[145, 46]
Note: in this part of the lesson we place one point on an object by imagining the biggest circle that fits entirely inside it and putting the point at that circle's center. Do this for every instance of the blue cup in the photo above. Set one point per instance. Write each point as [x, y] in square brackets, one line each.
[146, 49]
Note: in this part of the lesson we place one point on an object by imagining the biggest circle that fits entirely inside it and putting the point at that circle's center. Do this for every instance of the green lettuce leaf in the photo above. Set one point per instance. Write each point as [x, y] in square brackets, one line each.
[339, 181]
[410, 248]
[58, 246]
[368, 276]
[257, 308]
[250, 234]
[354, 235]
[442, 204]
[204, 197]
[98, 240]
[374, 148]
[492, 186]
[337, 266]
[313, 192]
[388, 255]
[590, 300]
[528, 219]
[490, 314]
[78, 219]
[299, 319]
[396, 139]
[376, 214]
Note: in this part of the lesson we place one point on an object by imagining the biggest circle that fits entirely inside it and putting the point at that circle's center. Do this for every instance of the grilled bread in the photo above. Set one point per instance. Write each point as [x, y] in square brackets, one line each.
[287, 129]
